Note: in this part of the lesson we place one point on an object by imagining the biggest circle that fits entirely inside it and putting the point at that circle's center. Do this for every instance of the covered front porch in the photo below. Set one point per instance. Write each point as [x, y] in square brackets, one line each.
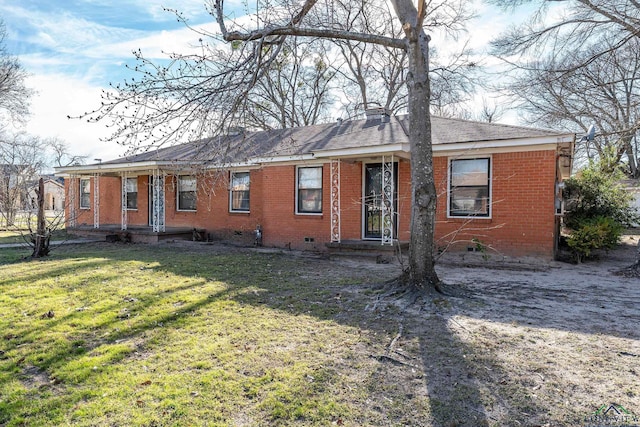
[86, 198]
[379, 196]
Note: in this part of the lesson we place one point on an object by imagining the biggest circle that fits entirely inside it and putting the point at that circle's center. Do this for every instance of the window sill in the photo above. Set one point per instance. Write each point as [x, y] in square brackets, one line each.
[470, 218]
[309, 215]
[240, 212]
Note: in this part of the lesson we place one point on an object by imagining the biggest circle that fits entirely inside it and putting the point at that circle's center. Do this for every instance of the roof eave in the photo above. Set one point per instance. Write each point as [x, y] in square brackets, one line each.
[111, 167]
[504, 143]
[400, 149]
[281, 159]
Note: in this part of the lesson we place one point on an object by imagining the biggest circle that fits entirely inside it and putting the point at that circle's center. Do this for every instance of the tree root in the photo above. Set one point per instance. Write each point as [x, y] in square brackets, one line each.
[398, 290]
[387, 358]
[630, 271]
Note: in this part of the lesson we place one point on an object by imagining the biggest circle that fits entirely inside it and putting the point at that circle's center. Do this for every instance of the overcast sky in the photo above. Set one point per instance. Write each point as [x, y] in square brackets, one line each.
[74, 48]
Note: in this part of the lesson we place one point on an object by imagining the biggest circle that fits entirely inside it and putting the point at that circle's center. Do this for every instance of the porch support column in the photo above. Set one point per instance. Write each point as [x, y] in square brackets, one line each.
[74, 188]
[157, 194]
[96, 200]
[123, 181]
[388, 213]
[335, 200]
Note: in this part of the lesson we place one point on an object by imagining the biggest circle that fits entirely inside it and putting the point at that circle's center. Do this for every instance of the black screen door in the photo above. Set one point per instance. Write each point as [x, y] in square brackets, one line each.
[373, 200]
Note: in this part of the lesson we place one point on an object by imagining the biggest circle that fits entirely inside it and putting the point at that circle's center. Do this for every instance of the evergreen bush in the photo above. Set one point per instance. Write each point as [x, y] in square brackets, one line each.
[598, 210]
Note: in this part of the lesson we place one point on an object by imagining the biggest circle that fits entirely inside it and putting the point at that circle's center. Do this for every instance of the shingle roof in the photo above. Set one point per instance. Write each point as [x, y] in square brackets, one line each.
[332, 136]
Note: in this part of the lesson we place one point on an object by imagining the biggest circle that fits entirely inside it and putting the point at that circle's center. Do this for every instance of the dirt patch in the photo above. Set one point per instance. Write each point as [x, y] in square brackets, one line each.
[543, 345]
[34, 377]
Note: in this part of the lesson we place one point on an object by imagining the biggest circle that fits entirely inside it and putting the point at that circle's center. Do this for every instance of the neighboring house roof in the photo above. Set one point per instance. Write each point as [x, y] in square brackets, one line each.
[56, 180]
[338, 139]
[55, 183]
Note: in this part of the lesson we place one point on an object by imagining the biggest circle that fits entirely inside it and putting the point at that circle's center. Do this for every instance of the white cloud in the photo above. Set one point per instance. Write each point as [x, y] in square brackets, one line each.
[62, 29]
[153, 45]
[60, 96]
[191, 9]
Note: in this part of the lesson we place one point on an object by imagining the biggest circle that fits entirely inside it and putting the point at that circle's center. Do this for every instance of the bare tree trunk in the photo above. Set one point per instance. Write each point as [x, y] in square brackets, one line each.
[421, 274]
[631, 156]
[41, 244]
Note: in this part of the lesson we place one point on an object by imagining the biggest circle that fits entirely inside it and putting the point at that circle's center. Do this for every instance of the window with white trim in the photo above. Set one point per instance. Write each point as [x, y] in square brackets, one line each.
[85, 193]
[187, 187]
[131, 187]
[239, 192]
[309, 190]
[469, 187]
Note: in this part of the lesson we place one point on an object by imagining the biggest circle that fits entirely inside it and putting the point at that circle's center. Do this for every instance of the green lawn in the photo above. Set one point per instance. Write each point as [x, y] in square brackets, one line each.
[118, 335]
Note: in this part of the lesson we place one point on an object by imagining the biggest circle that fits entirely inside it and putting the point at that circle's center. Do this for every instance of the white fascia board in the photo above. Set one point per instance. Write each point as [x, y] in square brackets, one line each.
[375, 150]
[234, 166]
[505, 143]
[110, 167]
[283, 159]
[364, 151]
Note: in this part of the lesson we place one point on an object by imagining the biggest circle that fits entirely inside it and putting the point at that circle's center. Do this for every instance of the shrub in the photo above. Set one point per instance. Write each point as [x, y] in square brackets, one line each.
[598, 210]
[596, 233]
[594, 193]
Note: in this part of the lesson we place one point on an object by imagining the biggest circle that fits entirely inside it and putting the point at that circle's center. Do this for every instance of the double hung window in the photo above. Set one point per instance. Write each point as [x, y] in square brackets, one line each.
[309, 190]
[187, 193]
[85, 193]
[239, 192]
[131, 187]
[469, 187]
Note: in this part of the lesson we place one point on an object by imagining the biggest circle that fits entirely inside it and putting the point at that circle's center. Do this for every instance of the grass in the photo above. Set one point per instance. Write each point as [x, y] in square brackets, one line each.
[115, 335]
[199, 335]
[9, 237]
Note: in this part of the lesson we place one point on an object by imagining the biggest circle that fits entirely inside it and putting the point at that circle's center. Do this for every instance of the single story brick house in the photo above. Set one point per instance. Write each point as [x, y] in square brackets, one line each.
[334, 185]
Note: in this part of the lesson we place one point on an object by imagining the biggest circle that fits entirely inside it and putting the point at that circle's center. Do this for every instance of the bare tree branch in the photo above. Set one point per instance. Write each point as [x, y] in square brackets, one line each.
[14, 95]
[604, 92]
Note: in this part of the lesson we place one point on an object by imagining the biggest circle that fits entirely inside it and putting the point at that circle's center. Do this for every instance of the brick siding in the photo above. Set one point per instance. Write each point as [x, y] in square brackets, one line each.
[522, 220]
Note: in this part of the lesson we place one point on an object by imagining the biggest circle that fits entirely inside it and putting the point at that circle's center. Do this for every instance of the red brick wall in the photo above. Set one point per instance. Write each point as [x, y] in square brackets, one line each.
[523, 216]
[281, 225]
[522, 221]
[109, 201]
[350, 200]
[404, 200]
[283, 228]
[212, 209]
[134, 216]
